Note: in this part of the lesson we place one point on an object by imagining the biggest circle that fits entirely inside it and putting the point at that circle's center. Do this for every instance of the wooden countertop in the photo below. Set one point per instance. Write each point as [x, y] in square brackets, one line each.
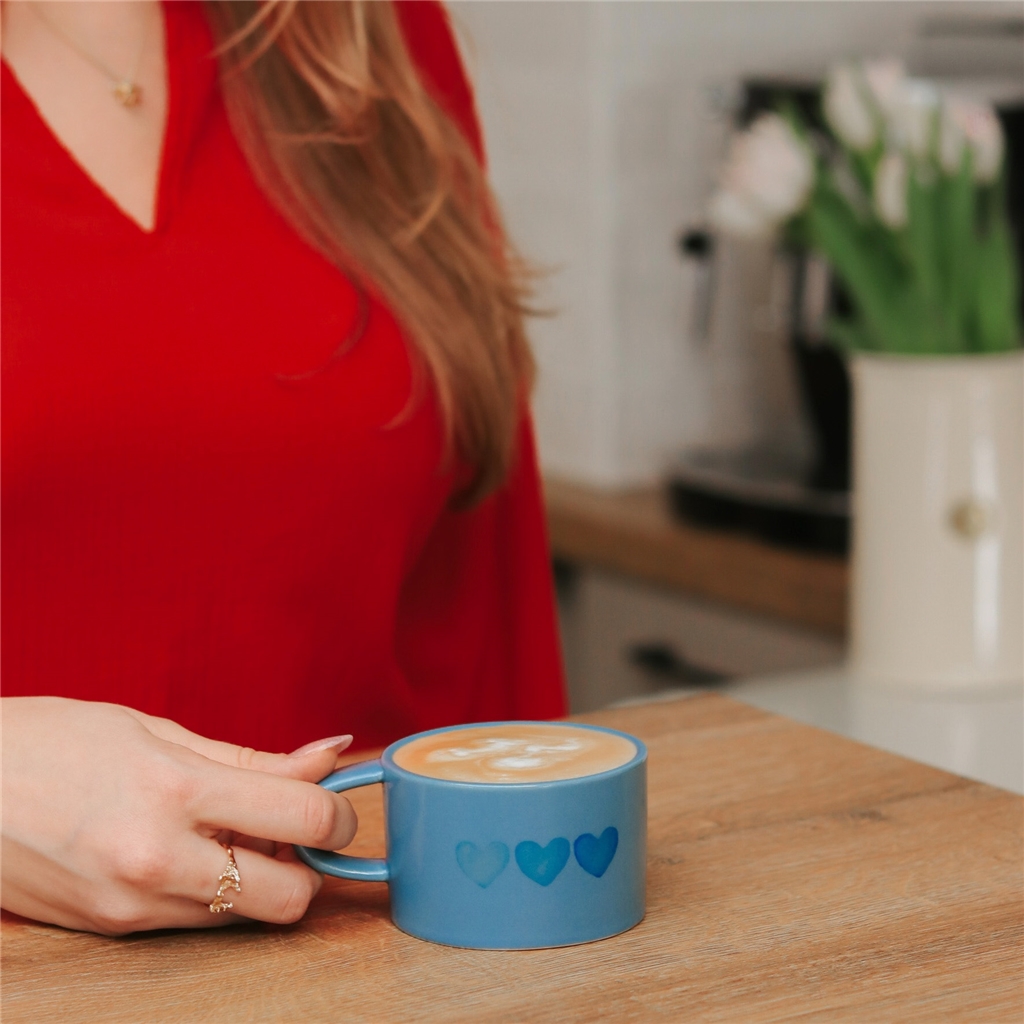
[633, 532]
[793, 874]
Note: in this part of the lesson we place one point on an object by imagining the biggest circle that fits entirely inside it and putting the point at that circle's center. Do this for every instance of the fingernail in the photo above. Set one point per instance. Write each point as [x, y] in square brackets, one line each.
[338, 743]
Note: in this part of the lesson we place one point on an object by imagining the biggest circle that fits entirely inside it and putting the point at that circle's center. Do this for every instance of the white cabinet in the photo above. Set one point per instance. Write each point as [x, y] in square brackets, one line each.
[608, 620]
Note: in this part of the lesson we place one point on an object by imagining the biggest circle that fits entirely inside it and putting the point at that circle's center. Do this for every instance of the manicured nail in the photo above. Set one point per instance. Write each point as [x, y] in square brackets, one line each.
[338, 743]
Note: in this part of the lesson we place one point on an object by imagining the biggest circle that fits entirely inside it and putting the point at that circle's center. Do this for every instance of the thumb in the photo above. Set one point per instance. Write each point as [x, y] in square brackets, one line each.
[309, 763]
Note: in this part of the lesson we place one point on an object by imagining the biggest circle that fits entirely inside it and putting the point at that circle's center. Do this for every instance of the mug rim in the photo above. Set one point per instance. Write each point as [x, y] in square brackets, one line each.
[388, 761]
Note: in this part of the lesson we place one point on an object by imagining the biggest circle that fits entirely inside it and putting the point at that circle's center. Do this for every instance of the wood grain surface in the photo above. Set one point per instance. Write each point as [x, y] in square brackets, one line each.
[632, 532]
[794, 876]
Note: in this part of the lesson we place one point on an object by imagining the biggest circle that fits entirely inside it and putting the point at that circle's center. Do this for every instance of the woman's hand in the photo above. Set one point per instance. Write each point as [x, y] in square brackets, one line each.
[113, 820]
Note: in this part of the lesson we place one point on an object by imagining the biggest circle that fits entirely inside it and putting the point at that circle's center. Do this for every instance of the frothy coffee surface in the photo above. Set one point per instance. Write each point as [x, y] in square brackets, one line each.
[515, 753]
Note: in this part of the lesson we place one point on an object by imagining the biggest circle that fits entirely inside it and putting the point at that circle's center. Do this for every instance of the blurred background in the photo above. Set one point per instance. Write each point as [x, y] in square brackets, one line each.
[694, 432]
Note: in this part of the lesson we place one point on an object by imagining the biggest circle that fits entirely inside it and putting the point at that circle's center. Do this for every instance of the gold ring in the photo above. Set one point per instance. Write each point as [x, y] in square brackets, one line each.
[229, 879]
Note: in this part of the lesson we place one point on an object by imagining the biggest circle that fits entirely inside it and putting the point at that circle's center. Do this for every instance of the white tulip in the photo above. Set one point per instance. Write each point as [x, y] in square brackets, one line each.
[976, 125]
[885, 80]
[912, 118]
[766, 179]
[847, 109]
[891, 190]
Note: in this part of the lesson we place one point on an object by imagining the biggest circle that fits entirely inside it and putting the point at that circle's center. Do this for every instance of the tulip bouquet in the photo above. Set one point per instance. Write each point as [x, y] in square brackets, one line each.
[904, 197]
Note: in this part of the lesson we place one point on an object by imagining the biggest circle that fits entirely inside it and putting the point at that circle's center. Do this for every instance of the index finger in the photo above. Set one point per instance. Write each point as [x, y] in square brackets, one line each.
[272, 807]
[300, 764]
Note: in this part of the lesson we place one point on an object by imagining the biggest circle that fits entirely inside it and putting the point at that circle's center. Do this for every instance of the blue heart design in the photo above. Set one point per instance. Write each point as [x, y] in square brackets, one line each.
[542, 864]
[482, 864]
[593, 854]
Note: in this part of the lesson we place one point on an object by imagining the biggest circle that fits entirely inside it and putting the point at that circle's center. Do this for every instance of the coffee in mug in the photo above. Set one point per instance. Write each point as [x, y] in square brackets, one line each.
[507, 835]
[511, 753]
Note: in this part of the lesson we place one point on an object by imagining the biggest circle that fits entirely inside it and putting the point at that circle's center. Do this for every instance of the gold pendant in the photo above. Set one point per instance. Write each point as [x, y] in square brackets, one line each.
[128, 94]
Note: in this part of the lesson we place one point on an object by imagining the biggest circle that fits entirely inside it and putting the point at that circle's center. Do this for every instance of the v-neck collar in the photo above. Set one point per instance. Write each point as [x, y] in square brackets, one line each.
[191, 85]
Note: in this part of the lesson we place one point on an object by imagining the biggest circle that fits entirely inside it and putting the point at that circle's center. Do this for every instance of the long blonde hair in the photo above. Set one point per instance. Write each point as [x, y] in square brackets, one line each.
[342, 135]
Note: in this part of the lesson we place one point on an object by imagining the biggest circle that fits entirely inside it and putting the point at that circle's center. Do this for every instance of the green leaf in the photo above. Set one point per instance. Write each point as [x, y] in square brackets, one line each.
[996, 309]
[958, 253]
[921, 236]
[867, 260]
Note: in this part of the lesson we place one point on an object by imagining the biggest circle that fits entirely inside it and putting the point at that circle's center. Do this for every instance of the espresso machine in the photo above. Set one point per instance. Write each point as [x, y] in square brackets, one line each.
[794, 498]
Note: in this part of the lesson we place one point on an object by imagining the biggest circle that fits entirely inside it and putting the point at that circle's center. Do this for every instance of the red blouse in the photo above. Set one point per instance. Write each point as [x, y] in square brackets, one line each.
[188, 531]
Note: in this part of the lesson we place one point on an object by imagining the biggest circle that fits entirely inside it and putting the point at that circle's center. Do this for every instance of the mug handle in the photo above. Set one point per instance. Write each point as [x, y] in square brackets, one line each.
[363, 869]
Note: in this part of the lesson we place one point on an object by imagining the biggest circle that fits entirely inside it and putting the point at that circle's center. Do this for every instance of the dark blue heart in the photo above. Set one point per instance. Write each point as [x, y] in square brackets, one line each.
[594, 855]
[482, 864]
[542, 864]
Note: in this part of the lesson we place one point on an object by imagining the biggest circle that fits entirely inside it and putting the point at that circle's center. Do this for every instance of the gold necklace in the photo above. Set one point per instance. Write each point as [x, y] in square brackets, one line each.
[126, 90]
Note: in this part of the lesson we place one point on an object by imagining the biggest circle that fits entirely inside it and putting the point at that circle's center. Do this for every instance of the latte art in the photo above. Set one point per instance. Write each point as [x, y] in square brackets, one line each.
[515, 753]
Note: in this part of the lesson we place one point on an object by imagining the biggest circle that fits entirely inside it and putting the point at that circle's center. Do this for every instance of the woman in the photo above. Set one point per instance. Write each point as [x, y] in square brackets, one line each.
[267, 472]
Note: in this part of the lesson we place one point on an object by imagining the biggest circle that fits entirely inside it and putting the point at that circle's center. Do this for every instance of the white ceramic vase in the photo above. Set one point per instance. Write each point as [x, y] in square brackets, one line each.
[937, 589]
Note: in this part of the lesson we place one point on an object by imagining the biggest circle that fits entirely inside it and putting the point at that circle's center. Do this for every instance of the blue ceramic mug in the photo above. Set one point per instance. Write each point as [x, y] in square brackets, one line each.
[505, 865]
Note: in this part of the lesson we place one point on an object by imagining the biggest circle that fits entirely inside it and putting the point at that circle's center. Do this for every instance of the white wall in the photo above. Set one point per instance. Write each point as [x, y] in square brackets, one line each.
[604, 133]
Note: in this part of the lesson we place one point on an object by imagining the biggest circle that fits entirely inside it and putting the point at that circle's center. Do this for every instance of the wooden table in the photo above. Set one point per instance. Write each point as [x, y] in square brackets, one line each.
[633, 532]
[794, 875]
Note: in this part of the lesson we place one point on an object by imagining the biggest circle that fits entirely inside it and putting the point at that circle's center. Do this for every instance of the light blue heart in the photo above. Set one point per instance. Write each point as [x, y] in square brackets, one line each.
[482, 864]
[595, 854]
[542, 864]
